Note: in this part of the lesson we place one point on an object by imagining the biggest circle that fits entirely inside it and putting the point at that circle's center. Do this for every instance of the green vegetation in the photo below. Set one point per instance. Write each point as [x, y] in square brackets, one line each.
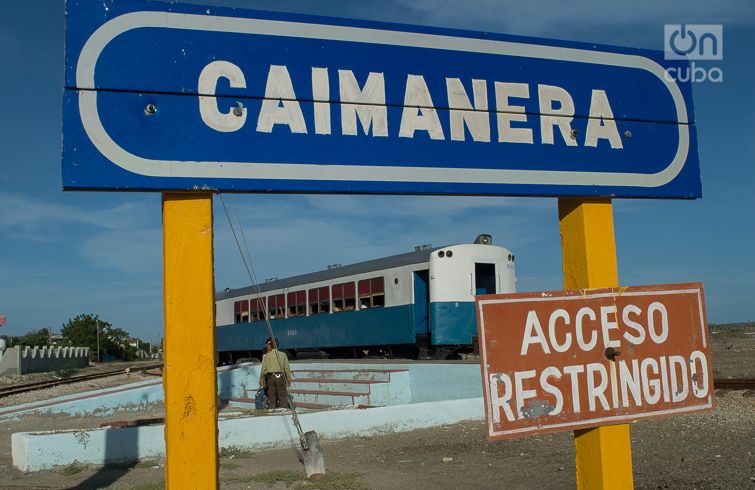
[65, 372]
[337, 481]
[270, 477]
[72, 469]
[235, 452]
[81, 331]
[147, 463]
[330, 481]
[39, 338]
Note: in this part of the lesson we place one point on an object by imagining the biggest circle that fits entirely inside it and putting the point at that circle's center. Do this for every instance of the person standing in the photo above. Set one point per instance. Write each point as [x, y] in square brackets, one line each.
[276, 375]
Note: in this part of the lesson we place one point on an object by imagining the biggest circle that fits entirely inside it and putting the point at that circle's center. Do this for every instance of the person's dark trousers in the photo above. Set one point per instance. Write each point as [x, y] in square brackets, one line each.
[276, 391]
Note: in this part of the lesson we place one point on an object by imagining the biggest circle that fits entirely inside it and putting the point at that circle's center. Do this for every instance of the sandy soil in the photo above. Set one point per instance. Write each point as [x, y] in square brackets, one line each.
[714, 450]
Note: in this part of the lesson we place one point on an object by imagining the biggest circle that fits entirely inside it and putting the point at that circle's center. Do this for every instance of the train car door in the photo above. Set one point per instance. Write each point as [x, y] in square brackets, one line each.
[484, 278]
[421, 302]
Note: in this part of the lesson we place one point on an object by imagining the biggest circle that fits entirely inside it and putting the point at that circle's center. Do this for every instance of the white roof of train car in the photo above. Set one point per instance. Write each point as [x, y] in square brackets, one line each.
[416, 257]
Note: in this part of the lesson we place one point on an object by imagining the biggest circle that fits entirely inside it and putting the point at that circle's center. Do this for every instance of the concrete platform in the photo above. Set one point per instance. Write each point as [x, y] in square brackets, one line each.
[33, 451]
[399, 396]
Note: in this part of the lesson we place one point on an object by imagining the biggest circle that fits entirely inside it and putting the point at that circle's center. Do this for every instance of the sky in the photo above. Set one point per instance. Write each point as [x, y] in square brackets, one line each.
[66, 253]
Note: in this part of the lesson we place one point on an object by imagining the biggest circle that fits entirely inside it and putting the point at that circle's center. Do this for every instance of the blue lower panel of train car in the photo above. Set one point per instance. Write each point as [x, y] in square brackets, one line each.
[374, 326]
[452, 322]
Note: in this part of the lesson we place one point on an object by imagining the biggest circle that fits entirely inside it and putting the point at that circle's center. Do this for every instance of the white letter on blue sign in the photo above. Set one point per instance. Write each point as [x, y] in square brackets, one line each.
[506, 113]
[279, 90]
[321, 95]
[368, 103]
[601, 124]
[551, 116]
[419, 111]
[476, 119]
[208, 105]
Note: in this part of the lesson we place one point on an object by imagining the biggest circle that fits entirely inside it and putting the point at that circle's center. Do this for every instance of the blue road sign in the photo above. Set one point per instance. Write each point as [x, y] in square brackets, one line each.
[180, 97]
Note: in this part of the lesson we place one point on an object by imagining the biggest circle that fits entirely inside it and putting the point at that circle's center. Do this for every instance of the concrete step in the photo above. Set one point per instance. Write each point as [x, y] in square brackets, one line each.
[348, 385]
[383, 375]
[312, 406]
[331, 398]
[248, 403]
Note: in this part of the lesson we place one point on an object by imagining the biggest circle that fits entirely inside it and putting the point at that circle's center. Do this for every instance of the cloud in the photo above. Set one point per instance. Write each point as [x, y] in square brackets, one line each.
[414, 206]
[133, 251]
[289, 236]
[36, 297]
[125, 236]
[577, 18]
[33, 219]
[637, 23]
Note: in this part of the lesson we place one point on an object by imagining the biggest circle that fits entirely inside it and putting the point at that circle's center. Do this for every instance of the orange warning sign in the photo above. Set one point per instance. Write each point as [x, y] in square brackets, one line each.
[566, 360]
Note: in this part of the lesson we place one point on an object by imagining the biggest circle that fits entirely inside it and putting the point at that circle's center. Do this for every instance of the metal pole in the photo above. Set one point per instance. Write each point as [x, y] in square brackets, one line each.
[99, 360]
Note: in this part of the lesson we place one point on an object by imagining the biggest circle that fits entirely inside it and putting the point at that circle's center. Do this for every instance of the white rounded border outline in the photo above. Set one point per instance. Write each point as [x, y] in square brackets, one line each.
[330, 172]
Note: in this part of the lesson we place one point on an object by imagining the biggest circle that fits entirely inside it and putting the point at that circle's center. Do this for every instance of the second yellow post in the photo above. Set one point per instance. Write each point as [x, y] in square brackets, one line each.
[603, 454]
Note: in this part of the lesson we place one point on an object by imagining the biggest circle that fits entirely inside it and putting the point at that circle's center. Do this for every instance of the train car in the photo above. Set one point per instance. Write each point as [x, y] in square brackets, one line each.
[416, 305]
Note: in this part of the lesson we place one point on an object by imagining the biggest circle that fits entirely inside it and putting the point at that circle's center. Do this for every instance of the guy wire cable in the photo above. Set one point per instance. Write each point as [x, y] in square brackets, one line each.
[285, 378]
[253, 278]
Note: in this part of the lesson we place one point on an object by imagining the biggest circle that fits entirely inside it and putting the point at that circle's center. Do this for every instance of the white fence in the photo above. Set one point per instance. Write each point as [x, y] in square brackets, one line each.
[22, 360]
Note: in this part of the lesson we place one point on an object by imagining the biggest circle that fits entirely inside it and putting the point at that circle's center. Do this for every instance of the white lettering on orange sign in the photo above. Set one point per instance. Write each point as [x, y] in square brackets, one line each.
[605, 386]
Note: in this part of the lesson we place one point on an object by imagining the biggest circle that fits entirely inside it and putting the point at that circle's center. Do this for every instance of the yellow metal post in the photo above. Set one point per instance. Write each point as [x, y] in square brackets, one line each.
[603, 454]
[189, 380]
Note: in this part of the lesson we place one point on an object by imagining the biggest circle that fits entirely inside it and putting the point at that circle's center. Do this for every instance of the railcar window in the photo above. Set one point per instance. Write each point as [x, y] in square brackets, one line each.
[241, 311]
[276, 305]
[258, 309]
[372, 293]
[324, 296]
[319, 300]
[344, 297]
[297, 303]
[314, 304]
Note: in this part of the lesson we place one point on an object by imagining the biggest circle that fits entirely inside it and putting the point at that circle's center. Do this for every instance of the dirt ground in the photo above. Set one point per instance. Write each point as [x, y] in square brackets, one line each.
[703, 451]
[732, 350]
[706, 451]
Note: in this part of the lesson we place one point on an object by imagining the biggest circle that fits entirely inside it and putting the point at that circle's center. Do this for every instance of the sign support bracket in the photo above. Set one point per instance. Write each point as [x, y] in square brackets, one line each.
[588, 246]
[189, 376]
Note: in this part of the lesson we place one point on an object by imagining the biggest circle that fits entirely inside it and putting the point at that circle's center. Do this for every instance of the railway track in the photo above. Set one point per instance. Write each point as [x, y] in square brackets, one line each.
[13, 390]
[734, 384]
